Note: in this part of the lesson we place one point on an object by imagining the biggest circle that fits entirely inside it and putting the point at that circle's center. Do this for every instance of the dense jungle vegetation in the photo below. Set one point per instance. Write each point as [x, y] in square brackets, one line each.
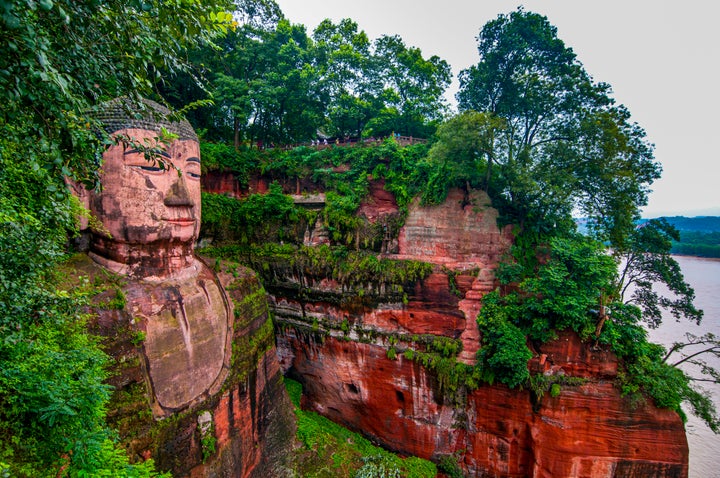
[534, 130]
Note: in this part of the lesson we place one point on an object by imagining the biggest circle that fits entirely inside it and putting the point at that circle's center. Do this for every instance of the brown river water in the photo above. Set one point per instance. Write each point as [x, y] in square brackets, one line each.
[704, 276]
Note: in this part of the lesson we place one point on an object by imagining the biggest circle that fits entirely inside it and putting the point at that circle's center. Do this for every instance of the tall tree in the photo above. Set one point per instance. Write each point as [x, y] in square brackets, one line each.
[564, 137]
[266, 86]
[566, 147]
[466, 147]
[411, 86]
[646, 264]
[343, 55]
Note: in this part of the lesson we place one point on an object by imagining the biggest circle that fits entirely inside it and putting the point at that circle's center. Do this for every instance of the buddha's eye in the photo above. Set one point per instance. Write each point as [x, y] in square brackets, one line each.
[149, 169]
[153, 169]
[193, 175]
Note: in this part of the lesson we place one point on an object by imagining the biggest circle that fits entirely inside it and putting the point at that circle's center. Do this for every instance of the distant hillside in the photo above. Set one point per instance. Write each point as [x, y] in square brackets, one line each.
[699, 223]
[699, 236]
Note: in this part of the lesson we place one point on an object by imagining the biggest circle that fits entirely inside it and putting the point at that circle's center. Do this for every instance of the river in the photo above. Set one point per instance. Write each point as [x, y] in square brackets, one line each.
[704, 276]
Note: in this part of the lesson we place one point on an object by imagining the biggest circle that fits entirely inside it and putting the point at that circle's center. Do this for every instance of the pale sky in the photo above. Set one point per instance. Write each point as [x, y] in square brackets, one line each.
[660, 56]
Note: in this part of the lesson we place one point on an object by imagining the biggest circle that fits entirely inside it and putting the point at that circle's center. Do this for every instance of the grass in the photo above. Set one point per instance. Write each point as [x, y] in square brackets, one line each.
[330, 450]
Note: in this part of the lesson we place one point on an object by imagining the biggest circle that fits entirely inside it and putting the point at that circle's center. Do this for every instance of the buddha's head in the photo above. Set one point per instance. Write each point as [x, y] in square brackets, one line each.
[149, 211]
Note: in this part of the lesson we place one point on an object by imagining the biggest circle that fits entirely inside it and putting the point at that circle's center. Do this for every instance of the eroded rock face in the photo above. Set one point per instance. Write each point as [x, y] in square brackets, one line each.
[378, 202]
[461, 232]
[588, 430]
[350, 358]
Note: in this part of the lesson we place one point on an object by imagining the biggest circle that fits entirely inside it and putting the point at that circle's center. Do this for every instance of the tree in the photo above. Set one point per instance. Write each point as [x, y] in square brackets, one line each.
[344, 57]
[566, 145]
[411, 87]
[61, 58]
[466, 147]
[265, 85]
[646, 263]
[574, 286]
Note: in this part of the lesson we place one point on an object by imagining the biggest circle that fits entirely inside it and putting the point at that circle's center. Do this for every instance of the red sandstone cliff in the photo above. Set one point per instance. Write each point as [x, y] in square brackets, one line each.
[588, 430]
[349, 356]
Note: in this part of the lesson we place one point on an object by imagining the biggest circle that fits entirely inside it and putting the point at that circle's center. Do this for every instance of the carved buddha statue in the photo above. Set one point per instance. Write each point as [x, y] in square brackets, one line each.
[149, 220]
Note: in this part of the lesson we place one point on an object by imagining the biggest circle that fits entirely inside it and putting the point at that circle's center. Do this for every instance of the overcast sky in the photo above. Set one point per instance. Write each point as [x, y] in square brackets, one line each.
[660, 56]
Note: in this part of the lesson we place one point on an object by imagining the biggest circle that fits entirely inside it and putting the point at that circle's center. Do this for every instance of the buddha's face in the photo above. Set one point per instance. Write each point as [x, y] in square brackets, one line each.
[141, 203]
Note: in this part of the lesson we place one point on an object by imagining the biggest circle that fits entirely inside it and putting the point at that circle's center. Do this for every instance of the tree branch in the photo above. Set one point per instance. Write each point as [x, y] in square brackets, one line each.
[710, 349]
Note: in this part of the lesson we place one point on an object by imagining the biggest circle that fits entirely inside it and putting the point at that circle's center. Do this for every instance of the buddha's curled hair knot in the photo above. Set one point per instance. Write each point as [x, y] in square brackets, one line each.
[124, 113]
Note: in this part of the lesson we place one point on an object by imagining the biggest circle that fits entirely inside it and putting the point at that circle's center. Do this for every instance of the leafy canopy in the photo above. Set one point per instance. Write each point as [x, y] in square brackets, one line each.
[565, 145]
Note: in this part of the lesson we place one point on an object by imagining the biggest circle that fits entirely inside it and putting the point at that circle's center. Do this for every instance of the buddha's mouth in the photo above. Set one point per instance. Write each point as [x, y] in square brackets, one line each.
[181, 221]
[180, 216]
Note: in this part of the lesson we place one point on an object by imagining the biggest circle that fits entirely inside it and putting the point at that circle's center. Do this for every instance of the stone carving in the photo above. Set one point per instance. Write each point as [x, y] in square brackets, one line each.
[150, 220]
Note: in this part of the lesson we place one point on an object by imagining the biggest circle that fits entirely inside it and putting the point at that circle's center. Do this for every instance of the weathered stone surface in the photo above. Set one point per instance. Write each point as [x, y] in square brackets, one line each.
[251, 426]
[187, 323]
[589, 430]
[219, 182]
[198, 385]
[340, 354]
[378, 202]
[461, 232]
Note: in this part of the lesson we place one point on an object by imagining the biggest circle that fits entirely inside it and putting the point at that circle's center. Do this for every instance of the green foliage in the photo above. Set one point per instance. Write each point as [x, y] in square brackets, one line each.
[503, 349]
[412, 88]
[448, 464]
[452, 376]
[253, 219]
[138, 338]
[648, 370]
[565, 289]
[209, 444]
[330, 448]
[557, 293]
[698, 244]
[541, 384]
[352, 269]
[564, 145]
[445, 346]
[567, 285]
[119, 301]
[377, 467]
[221, 157]
[466, 148]
[555, 390]
[257, 219]
[274, 85]
[51, 384]
[647, 264]
[61, 58]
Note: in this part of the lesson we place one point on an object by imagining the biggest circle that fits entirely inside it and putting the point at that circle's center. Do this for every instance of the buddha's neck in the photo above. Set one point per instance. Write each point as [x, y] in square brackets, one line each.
[156, 260]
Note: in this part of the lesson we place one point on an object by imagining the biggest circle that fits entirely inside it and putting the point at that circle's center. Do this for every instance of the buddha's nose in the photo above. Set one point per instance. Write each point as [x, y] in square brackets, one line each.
[178, 194]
